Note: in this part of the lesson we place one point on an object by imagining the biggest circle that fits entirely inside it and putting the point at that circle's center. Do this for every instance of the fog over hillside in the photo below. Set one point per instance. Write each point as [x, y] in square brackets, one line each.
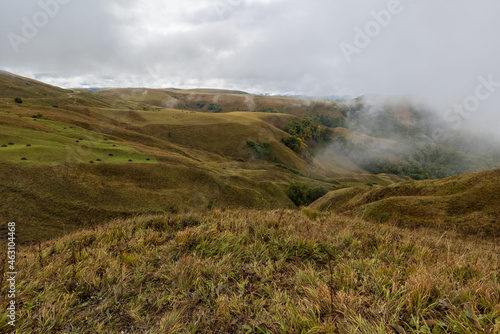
[440, 53]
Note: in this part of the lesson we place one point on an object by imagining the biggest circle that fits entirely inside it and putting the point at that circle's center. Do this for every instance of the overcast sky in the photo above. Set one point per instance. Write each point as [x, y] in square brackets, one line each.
[432, 49]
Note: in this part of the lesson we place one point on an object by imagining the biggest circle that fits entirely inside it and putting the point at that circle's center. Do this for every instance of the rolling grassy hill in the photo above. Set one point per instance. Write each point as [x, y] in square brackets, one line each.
[75, 158]
[81, 158]
[467, 203]
[200, 100]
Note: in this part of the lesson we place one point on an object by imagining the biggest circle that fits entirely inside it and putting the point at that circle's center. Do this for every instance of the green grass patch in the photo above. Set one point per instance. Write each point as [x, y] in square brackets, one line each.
[56, 143]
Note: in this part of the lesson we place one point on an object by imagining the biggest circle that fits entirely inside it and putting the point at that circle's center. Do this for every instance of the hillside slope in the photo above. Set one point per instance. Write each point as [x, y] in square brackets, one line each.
[469, 203]
[256, 271]
[12, 86]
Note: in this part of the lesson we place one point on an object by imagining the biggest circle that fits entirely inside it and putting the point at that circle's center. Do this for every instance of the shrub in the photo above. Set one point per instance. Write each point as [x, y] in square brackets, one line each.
[312, 214]
[200, 105]
[37, 116]
[18, 100]
[332, 181]
[262, 150]
[292, 142]
[214, 107]
[173, 209]
[304, 194]
[240, 160]
[267, 109]
[383, 217]
[304, 129]
[330, 121]
[295, 171]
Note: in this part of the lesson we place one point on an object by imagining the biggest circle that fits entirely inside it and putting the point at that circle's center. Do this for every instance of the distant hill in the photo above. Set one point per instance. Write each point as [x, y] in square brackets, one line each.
[91, 89]
[215, 91]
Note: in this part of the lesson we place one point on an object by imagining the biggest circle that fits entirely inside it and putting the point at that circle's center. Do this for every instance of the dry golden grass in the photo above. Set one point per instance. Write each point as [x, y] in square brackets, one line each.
[261, 272]
[467, 203]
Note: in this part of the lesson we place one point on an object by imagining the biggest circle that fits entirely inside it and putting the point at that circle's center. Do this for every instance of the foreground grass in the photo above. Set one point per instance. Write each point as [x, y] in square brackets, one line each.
[261, 272]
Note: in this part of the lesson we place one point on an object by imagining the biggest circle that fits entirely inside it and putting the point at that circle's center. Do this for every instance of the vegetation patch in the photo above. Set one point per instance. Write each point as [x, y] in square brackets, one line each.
[330, 121]
[214, 107]
[267, 110]
[261, 150]
[305, 131]
[302, 193]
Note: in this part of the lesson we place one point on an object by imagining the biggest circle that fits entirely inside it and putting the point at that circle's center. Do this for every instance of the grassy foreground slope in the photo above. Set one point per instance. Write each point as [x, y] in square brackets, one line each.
[257, 272]
[468, 203]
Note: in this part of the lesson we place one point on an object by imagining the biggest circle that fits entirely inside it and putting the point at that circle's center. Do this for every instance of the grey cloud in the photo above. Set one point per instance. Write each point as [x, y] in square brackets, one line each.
[434, 51]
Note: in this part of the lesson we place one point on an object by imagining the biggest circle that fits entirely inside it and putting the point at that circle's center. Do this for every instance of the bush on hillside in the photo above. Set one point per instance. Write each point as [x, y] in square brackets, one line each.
[267, 110]
[330, 121]
[18, 100]
[304, 194]
[305, 130]
[292, 142]
[262, 150]
[214, 107]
